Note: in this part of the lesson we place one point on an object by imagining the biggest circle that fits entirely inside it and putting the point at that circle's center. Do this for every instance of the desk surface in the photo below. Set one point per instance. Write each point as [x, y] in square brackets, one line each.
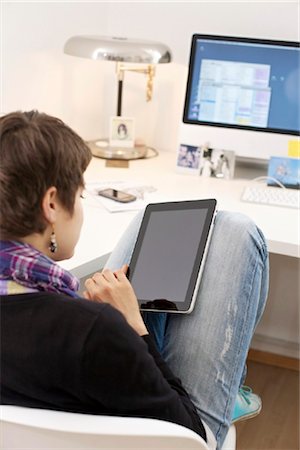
[102, 229]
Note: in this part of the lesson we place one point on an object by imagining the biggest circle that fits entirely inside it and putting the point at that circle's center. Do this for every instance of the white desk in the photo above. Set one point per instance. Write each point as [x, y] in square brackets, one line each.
[101, 229]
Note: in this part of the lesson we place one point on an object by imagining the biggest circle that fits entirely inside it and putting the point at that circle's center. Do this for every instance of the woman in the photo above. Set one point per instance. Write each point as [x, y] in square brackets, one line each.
[96, 354]
[122, 131]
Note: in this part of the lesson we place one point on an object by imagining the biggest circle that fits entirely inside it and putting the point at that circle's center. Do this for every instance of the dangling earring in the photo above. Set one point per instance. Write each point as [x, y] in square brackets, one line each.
[53, 243]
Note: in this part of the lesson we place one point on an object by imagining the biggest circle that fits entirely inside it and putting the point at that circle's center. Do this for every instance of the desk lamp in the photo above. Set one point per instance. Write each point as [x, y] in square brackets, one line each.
[132, 55]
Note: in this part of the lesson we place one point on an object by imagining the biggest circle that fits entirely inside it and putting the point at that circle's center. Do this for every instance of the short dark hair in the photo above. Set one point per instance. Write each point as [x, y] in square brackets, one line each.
[37, 151]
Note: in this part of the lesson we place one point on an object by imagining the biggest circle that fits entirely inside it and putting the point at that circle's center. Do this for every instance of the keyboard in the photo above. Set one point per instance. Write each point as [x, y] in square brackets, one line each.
[272, 196]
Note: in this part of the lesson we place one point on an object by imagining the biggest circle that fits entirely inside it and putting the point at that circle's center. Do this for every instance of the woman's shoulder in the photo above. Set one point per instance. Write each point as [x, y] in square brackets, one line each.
[56, 303]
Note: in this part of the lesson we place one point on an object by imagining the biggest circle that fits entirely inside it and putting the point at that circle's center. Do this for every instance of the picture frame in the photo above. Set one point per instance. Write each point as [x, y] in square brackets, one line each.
[217, 163]
[122, 131]
[285, 171]
[188, 159]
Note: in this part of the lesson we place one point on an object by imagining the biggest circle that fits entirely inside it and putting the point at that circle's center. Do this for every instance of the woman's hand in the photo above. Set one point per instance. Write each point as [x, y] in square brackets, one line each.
[114, 288]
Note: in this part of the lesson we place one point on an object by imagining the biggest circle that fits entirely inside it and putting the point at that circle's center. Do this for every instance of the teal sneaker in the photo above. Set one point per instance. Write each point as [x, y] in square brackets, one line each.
[247, 405]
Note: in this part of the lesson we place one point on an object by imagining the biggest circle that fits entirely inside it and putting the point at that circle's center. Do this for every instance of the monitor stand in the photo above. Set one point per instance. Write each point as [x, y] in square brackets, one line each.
[250, 168]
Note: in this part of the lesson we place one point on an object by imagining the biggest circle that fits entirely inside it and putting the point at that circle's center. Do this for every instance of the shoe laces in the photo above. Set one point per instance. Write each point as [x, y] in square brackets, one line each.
[245, 391]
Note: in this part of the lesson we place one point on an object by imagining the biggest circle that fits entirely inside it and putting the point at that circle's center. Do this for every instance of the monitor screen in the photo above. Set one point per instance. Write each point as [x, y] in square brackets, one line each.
[243, 83]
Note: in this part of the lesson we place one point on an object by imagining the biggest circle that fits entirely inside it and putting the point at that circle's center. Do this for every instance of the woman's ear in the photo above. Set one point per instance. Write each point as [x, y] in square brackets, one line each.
[50, 205]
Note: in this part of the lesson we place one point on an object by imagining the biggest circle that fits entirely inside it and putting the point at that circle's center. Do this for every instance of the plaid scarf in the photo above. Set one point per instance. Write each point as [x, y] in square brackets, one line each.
[25, 269]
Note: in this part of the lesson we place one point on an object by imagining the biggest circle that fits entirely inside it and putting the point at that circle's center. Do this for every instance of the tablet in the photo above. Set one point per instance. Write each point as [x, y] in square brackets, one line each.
[169, 255]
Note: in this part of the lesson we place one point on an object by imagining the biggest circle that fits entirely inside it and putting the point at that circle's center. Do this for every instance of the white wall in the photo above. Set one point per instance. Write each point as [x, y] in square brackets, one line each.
[36, 74]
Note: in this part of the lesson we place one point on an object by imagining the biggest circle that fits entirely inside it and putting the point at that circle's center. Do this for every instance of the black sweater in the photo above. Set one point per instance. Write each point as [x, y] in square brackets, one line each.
[75, 355]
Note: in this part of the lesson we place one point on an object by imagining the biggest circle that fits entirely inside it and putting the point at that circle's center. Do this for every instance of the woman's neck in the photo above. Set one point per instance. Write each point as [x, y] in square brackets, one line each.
[40, 241]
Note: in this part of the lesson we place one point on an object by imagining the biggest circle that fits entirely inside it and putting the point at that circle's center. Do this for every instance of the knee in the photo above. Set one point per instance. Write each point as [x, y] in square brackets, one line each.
[233, 227]
[234, 220]
[238, 228]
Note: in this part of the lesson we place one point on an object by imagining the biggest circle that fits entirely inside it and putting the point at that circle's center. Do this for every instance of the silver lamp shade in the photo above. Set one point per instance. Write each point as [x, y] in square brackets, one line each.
[118, 49]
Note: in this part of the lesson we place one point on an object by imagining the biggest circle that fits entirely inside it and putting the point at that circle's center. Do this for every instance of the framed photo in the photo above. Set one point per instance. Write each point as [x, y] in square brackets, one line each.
[188, 159]
[284, 170]
[217, 163]
[121, 132]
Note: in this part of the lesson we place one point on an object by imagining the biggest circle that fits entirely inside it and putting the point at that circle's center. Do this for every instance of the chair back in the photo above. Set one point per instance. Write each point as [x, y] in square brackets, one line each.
[43, 429]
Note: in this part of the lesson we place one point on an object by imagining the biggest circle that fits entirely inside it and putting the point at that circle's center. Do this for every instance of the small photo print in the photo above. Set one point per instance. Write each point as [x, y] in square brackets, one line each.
[217, 163]
[121, 132]
[189, 157]
[284, 170]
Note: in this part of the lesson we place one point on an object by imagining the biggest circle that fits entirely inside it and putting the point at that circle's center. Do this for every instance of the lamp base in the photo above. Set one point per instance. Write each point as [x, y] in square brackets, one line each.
[102, 149]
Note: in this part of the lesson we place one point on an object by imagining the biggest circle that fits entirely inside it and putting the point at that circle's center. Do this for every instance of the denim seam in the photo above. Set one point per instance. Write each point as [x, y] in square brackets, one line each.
[256, 265]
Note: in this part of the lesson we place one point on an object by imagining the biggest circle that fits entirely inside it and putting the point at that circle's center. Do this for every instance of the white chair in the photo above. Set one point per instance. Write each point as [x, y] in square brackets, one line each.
[28, 428]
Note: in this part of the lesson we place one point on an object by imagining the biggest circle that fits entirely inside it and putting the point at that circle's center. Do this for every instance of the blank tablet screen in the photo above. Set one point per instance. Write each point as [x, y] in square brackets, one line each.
[168, 254]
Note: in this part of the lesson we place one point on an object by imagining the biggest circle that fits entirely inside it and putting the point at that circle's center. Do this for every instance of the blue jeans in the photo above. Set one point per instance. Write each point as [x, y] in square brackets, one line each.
[207, 349]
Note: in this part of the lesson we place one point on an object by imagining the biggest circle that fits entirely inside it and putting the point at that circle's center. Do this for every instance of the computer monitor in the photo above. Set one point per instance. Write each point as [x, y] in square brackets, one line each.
[243, 95]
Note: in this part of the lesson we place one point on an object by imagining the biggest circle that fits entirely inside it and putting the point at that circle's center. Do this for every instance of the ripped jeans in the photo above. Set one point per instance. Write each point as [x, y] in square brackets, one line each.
[207, 349]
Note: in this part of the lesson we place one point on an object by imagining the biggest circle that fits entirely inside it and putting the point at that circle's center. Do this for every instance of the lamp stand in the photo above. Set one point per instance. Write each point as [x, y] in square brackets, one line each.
[120, 92]
[101, 148]
[121, 68]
